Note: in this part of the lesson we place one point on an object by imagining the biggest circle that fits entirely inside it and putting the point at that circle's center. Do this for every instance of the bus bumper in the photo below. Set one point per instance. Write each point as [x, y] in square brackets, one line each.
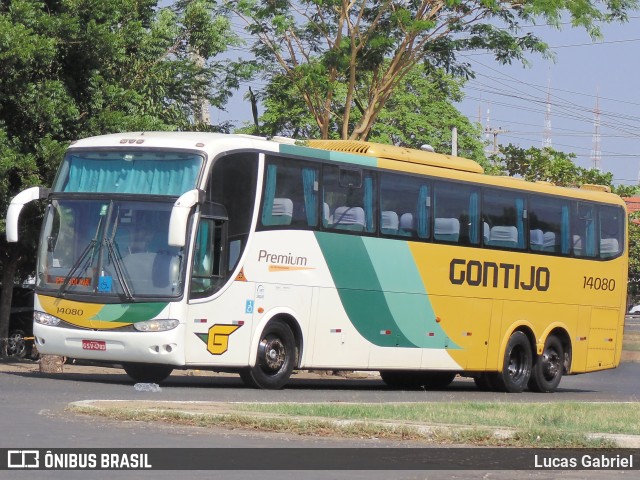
[115, 346]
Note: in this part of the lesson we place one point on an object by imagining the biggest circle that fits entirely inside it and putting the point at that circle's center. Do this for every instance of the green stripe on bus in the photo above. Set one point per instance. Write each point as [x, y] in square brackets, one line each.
[384, 297]
[360, 290]
[129, 313]
[330, 155]
[405, 293]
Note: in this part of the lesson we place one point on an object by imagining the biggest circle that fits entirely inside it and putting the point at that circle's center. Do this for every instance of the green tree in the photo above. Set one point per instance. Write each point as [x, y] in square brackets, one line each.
[420, 112]
[74, 68]
[325, 48]
[550, 165]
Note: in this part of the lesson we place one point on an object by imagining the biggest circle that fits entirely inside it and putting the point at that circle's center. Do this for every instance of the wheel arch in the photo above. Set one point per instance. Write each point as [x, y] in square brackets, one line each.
[523, 327]
[560, 332]
[288, 317]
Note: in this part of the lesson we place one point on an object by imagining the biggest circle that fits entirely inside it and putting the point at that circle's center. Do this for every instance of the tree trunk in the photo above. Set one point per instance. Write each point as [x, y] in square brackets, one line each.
[51, 363]
[9, 266]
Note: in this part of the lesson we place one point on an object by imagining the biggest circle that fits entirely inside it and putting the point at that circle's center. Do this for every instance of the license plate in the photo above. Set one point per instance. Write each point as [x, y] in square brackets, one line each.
[94, 345]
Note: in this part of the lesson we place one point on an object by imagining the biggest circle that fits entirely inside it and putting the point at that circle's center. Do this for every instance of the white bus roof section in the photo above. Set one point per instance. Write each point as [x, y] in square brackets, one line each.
[203, 141]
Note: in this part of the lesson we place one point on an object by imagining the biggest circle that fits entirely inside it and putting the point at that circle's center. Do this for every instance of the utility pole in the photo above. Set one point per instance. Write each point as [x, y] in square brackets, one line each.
[495, 132]
[546, 140]
[596, 153]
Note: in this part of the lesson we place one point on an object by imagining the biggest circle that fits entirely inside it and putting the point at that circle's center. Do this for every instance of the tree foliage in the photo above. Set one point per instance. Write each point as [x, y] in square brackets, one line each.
[420, 112]
[362, 50]
[75, 68]
[553, 166]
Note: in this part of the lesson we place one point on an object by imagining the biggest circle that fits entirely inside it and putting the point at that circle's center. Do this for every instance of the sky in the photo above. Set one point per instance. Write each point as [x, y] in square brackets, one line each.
[514, 99]
[584, 74]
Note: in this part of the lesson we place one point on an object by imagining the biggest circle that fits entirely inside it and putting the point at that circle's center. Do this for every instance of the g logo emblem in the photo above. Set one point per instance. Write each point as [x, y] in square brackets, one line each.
[218, 341]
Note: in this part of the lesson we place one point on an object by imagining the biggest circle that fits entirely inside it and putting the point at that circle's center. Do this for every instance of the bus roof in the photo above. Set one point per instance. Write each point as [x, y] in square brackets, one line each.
[403, 154]
[385, 156]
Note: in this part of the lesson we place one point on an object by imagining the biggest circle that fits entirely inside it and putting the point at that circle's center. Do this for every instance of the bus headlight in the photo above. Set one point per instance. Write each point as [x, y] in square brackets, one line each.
[45, 319]
[156, 325]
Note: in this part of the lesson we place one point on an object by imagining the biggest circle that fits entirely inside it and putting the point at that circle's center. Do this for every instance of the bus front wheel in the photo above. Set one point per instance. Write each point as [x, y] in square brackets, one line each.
[548, 368]
[147, 372]
[516, 367]
[275, 359]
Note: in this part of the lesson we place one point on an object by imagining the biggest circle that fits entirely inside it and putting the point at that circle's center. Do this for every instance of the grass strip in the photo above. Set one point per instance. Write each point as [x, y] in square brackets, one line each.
[568, 416]
[467, 424]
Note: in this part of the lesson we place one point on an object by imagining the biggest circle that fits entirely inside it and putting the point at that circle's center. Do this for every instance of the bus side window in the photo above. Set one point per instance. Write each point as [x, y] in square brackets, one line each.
[549, 225]
[405, 206]
[456, 214]
[348, 199]
[584, 230]
[505, 214]
[290, 195]
[208, 260]
[611, 231]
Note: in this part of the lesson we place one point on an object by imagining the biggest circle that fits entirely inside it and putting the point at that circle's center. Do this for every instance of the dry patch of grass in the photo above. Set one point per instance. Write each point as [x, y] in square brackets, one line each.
[484, 424]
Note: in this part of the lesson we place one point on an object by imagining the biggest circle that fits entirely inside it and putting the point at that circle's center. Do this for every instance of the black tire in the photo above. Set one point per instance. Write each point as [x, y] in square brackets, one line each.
[16, 344]
[483, 382]
[438, 380]
[147, 372]
[516, 367]
[548, 368]
[405, 379]
[415, 379]
[276, 358]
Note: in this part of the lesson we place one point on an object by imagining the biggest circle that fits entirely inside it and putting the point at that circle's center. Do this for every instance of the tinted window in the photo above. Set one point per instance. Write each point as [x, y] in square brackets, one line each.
[290, 194]
[503, 219]
[549, 225]
[348, 199]
[456, 213]
[405, 206]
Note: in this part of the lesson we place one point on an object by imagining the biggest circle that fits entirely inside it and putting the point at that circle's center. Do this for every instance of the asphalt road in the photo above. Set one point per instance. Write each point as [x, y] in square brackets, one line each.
[33, 415]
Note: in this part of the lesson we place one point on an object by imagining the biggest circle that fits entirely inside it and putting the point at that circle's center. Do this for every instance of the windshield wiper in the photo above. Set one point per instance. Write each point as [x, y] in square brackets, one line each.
[114, 255]
[117, 266]
[90, 246]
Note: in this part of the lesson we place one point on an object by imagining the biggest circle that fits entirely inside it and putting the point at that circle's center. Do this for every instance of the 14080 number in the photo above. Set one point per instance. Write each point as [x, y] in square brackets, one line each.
[597, 283]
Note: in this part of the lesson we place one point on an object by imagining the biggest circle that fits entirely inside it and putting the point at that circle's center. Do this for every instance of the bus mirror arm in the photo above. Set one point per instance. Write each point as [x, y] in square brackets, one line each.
[16, 205]
[180, 216]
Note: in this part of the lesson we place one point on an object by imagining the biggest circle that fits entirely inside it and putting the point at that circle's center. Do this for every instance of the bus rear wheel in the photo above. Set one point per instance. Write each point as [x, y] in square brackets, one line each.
[548, 368]
[275, 360]
[147, 372]
[516, 367]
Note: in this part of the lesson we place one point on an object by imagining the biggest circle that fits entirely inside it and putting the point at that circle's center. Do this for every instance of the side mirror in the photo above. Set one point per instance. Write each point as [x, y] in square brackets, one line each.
[15, 207]
[180, 216]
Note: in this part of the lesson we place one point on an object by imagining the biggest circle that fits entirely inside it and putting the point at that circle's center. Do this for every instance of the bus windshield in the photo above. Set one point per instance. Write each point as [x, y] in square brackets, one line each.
[139, 172]
[109, 248]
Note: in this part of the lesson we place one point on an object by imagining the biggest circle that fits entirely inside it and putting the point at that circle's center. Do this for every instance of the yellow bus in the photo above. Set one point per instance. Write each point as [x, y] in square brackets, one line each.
[241, 254]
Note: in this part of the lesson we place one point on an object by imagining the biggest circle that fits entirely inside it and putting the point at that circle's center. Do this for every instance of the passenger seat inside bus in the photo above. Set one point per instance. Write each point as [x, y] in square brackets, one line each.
[407, 227]
[447, 229]
[608, 247]
[503, 236]
[389, 222]
[550, 243]
[349, 218]
[282, 211]
[536, 239]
